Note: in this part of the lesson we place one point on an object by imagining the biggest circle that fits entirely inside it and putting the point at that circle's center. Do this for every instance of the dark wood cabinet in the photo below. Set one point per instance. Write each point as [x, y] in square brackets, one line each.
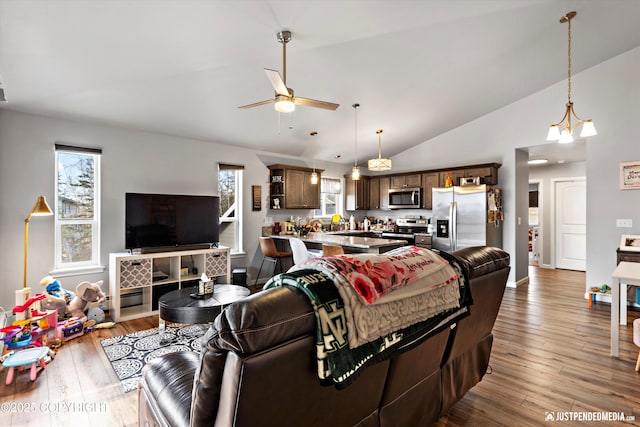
[292, 188]
[356, 194]
[429, 180]
[488, 174]
[406, 181]
[374, 192]
[385, 182]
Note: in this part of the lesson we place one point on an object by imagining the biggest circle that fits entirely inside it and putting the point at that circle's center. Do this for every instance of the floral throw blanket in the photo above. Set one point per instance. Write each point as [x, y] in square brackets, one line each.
[337, 362]
[385, 293]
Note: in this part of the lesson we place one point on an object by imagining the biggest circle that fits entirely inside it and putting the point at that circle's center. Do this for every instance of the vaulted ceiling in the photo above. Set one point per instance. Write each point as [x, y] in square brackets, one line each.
[417, 68]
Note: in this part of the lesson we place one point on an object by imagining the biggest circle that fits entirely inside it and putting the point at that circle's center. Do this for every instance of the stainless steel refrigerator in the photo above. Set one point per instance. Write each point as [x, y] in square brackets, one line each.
[469, 215]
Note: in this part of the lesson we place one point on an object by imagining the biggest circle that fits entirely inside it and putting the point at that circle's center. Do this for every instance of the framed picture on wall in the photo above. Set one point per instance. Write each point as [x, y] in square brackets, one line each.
[257, 197]
[630, 175]
[630, 243]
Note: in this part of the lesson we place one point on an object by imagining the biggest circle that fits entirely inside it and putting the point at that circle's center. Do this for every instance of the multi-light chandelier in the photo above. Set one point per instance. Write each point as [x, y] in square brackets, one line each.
[566, 134]
[355, 172]
[380, 164]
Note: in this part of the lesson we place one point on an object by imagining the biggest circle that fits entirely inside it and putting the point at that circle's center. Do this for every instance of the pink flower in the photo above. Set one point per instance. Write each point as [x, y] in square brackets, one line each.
[363, 286]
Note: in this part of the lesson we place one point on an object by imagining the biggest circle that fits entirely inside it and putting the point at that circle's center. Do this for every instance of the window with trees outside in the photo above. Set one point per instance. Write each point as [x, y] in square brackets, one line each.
[230, 192]
[330, 198]
[77, 207]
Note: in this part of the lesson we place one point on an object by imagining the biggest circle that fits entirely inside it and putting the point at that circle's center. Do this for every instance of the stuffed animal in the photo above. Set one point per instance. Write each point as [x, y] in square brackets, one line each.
[57, 298]
[86, 292]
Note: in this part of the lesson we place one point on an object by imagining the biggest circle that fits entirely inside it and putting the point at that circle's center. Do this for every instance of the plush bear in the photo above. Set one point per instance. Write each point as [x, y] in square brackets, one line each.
[86, 292]
[57, 298]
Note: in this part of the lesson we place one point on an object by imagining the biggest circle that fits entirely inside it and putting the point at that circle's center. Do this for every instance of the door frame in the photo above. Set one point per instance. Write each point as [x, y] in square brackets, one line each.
[541, 224]
[553, 212]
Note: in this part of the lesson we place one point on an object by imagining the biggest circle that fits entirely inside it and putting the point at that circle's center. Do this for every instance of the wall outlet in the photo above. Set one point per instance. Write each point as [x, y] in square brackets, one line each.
[624, 223]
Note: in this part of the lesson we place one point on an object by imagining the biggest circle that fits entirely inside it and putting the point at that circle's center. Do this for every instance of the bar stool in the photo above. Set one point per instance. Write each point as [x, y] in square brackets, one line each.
[271, 254]
[329, 250]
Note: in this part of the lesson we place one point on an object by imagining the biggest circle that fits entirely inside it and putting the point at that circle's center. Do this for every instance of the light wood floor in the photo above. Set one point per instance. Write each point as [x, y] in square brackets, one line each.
[550, 354]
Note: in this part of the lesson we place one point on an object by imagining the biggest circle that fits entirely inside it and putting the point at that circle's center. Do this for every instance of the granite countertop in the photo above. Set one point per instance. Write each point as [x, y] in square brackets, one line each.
[349, 241]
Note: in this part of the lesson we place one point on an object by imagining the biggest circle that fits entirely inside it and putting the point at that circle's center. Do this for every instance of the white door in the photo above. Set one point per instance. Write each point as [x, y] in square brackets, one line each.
[571, 224]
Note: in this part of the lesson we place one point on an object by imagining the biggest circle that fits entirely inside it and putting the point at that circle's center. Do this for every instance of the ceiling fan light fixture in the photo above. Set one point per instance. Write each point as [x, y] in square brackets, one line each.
[380, 164]
[284, 105]
[588, 128]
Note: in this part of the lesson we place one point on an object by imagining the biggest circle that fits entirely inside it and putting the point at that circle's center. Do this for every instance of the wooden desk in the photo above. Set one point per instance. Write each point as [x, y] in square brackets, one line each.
[626, 273]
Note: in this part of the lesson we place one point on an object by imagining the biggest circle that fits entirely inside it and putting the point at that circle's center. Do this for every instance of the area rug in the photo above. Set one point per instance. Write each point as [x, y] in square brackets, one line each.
[129, 353]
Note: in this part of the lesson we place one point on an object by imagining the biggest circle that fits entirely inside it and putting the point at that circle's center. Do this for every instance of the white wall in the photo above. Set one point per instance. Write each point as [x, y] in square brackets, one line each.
[608, 93]
[131, 161]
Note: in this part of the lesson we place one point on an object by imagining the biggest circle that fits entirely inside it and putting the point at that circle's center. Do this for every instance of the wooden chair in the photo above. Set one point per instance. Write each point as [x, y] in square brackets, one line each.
[329, 250]
[271, 254]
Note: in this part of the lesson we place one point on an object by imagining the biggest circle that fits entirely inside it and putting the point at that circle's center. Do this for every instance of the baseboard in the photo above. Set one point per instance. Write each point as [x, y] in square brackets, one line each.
[521, 282]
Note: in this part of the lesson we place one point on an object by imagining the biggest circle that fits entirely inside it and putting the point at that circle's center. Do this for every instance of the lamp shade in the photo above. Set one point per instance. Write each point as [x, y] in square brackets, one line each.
[314, 177]
[41, 208]
[565, 137]
[379, 164]
[554, 133]
[588, 129]
[355, 173]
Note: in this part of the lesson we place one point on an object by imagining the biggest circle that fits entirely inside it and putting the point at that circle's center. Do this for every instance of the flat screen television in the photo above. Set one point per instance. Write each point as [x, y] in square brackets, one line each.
[156, 222]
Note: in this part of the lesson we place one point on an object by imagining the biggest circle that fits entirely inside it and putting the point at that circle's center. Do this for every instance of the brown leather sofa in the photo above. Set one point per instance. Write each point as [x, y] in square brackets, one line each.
[258, 366]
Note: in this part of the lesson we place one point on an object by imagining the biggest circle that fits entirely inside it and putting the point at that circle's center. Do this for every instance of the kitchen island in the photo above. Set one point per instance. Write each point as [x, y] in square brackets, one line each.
[351, 244]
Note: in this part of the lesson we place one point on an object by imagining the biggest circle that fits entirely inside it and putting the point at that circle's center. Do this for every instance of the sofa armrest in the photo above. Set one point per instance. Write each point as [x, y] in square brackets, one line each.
[165, 390]
[482, 260]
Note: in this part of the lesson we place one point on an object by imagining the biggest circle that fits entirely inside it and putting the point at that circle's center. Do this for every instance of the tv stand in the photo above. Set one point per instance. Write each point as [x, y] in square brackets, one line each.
[134, 291]
[159, 249]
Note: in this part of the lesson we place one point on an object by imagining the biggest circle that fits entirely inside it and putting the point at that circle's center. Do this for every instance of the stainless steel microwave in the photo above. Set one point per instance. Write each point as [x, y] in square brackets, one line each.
[405, 198]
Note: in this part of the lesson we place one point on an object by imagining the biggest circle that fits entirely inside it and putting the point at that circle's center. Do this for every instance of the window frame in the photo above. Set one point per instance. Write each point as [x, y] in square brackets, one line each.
[238, 219]
[339, 199]
[62, 268]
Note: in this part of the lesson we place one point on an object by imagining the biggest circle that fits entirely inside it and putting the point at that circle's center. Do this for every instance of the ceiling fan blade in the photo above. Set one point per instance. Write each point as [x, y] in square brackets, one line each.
[276, 81]
[257, 104]
[306, 102]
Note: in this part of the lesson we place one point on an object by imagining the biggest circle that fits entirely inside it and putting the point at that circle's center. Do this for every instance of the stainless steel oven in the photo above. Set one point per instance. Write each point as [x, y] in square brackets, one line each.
[405, 198]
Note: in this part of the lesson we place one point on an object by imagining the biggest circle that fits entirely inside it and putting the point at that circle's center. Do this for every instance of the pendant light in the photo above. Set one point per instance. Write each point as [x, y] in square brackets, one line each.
[379, 164]
[355, 172]
[588, 129]
[314, 174]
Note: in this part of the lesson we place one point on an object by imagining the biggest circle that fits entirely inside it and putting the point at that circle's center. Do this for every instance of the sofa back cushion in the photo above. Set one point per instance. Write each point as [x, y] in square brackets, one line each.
[258, 367]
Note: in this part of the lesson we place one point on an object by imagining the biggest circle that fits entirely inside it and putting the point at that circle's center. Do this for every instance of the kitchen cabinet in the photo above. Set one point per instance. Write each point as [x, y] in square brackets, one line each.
[374, 192]
[406, 181]
[488, 174]
[385, 182]
[429, 180]
[356, 194]
[455, 177]
[291, 187]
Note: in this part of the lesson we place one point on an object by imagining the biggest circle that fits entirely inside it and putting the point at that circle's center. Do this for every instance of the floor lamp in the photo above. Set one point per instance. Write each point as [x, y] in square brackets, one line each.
[41, 208]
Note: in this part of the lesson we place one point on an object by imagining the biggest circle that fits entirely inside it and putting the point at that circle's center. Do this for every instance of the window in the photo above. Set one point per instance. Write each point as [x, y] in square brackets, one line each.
[77, 208]
[230, 192]
[330, 198]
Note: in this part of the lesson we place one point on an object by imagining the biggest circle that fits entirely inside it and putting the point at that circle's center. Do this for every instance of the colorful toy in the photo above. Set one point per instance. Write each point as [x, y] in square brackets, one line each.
[24, 311]
[57, 298]
[31, 356]
[86, 292]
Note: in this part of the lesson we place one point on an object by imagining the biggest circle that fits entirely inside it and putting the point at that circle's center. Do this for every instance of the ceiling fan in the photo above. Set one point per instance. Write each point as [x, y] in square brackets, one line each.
[285, 101]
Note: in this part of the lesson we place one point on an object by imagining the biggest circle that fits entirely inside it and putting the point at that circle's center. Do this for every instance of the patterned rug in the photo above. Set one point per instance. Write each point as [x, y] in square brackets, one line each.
[129, 353]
